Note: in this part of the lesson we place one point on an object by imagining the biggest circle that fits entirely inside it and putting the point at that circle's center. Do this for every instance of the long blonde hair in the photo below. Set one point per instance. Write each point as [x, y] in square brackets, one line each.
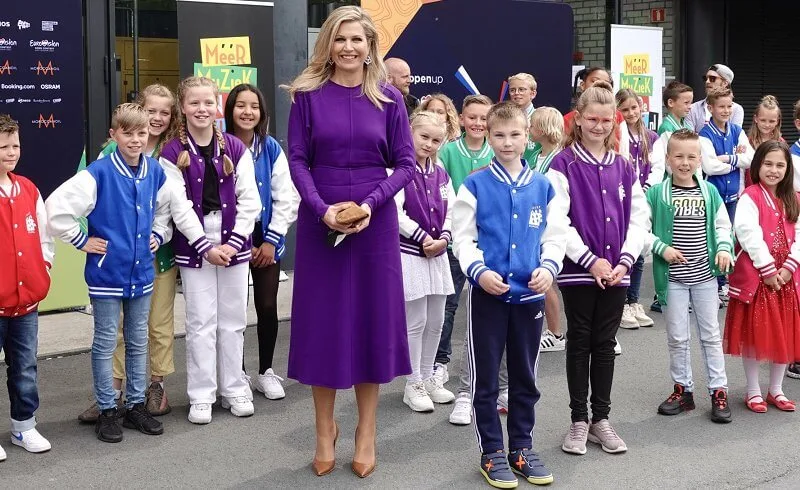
[429, 118]
[453, 129]
[319, 70]
[183, 158]
[158, 90]
[599, 93]
[639, 128]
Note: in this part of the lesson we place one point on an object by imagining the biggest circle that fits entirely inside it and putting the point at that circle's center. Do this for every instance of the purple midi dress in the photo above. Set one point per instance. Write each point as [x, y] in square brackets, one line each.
[348, 315]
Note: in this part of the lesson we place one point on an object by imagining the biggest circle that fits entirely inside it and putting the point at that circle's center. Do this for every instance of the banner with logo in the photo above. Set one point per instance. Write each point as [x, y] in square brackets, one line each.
[235, 47]
[463, 47]
[42, 87]
[637, 64]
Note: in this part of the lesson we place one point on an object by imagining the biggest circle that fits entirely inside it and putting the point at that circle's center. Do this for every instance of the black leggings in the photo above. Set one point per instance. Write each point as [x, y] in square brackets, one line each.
[265, 297]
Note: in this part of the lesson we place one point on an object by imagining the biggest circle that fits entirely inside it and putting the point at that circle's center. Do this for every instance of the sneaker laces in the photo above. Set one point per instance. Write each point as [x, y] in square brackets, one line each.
[419, 389]
[675, 396]
[156, 393]
[436, 382]
[607, 431]
[202, 406]
[720, 399]
[239, 400]
[271, 374]
[578, 431]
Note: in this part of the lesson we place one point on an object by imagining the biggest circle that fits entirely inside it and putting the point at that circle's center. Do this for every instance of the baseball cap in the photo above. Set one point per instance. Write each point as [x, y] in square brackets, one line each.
[723, 71]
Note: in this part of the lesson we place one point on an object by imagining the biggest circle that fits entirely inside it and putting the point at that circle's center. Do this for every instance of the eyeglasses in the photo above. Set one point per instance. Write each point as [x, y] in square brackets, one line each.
[592, 121]
[520, 90]
[711, 78]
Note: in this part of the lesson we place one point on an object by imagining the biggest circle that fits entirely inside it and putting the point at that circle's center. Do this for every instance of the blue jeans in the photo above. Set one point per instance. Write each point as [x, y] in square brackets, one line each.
[731, 208]
[636, 280]
[705, 306]
[18, 338]
[451, 305]
[134, 330]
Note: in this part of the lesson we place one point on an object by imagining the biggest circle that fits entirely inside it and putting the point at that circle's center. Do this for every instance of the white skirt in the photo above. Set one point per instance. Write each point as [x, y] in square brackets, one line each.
[423, 276]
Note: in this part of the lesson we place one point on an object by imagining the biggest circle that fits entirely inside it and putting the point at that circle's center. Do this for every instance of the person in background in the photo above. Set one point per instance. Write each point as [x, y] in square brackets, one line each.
[399, 76]
[717, 77]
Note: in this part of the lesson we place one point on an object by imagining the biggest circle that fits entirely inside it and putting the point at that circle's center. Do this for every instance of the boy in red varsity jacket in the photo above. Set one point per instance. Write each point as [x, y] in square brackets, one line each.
[26, 255]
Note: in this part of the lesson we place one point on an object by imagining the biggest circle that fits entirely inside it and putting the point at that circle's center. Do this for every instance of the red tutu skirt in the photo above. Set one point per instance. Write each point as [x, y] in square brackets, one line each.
[768, 328]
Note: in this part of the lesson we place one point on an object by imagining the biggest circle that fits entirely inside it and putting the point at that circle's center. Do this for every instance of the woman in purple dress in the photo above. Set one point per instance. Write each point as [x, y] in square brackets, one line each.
[346, 127]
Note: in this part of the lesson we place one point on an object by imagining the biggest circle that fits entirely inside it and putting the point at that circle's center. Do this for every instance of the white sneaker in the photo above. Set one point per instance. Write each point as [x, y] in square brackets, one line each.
[437, 392]
[617, 347]
[249, 389]
[282, 277]
[551, 343]
[269, 383]
[417, 398]
[628, 318]
[502, 401]
[641, 316]
[200, 413]
[238, 405]
[462, 411]
[2, 454]
[440, 371]
[30, 440]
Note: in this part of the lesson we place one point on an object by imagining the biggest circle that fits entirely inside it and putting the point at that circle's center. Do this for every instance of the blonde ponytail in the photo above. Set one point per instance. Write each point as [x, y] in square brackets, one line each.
[183, 157]
[227, 164]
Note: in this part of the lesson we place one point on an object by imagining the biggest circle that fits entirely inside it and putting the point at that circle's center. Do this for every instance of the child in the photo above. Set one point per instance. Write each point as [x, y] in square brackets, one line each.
[424, 214]
[726, 155]
[606, 235]
[691, 243]
[522, 91]
[127, 201]
[547, 131]
[677, 99]
[443, 106]
[763, 320]
[159, 103]
[27, 256]
[246, 117]
[650, 173]
[766, 126]
[793, 371]
[511, 262]
[216, 172]
[586, 78]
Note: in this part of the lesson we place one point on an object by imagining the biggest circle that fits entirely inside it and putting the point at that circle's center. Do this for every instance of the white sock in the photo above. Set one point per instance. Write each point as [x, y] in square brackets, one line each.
[776, 373]
[751, 374]
[117, 394]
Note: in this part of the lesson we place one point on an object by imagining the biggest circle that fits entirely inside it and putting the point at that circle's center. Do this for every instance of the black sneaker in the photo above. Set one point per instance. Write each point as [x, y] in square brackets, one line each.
[107, 428]
[793, 371]
[138, 418]
[679, 401]
[494, 467]
[528, 464]
[655, 306]
[720, 411]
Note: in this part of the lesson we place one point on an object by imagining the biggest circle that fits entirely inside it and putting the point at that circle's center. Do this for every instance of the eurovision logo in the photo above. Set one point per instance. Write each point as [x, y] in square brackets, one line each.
[6, 44]
[44, 45]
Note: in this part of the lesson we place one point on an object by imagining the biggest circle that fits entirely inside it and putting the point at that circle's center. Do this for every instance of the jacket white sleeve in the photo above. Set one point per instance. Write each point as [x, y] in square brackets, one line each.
[722, 227]
[658, 166]
[743, 160]
[796, 165]
[248, 202]
[408, 227]
[636, 236]
[285, 200]
[175, 195]
[576, 250]
[624, 140]
[792, 262]
[750, 236]
[737, 114]
[465, 235]
[45, 239]
[447, 228]
[73, 199]
[554, 238]
[710, 163]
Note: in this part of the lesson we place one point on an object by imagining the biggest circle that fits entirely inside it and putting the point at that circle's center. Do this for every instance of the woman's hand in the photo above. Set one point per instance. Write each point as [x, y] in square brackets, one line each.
[359, 226]
[330, 219]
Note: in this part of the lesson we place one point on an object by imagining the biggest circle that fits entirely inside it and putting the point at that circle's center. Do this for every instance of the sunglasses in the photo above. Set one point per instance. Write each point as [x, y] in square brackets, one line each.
[711, 78]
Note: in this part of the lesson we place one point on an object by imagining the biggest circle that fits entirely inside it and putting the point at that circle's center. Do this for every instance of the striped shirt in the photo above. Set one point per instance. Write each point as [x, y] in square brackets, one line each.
[689, 236]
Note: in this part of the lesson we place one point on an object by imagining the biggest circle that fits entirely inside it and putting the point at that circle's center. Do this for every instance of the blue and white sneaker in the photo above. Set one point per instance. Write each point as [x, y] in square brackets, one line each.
[525, 462]
[30, 440]
[494, 467]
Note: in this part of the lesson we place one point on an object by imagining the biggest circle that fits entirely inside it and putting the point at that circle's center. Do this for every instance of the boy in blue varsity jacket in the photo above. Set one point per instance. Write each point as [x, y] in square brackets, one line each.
[26, 255]
[510, 247]
[127, 202]
[726, 154]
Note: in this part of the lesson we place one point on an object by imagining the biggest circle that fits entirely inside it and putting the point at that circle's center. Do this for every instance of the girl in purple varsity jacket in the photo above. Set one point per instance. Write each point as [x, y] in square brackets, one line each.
[607, 220]
[424, 216]
[650, 172]
[215, 171]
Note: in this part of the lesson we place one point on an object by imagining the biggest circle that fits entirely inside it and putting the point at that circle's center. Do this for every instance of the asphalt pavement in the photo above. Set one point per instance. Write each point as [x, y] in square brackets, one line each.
[273, 448]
